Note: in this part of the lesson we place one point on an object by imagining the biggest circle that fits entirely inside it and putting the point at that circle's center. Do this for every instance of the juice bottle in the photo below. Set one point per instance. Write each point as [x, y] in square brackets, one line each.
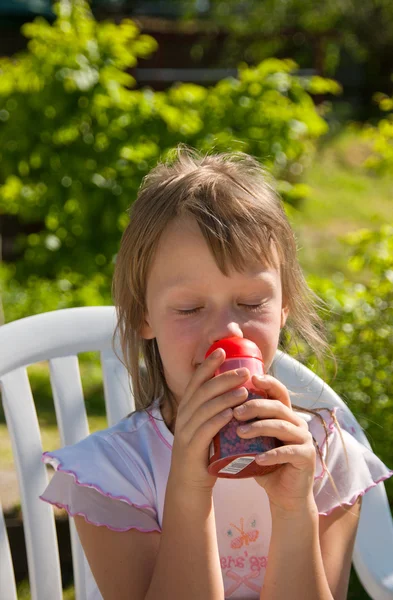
[232, 457]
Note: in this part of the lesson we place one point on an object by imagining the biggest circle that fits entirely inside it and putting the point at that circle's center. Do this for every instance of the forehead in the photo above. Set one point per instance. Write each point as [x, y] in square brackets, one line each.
[184, 257]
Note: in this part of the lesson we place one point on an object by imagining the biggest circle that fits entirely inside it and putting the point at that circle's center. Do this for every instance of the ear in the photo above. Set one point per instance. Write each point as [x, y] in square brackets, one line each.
[146, 331]
[284, 316]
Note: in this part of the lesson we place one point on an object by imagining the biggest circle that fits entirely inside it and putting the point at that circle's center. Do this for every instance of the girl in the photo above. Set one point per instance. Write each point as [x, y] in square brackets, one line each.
[209, 254]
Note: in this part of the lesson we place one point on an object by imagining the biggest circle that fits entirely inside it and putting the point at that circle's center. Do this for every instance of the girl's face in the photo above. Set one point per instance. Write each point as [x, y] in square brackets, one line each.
[191, 304]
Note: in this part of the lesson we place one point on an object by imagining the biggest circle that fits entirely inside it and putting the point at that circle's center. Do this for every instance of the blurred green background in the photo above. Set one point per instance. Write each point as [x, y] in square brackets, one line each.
[91, 96]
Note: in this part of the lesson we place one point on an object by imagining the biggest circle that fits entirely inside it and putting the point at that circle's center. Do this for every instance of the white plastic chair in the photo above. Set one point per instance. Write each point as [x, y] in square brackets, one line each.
[59, 337]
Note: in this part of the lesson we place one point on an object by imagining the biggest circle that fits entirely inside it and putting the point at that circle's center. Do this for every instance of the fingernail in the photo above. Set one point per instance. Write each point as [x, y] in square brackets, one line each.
[260, 378]
[261, 458]
[240, 409]
[216, 353]
[238, 392]
[241, 372]
[244, 428]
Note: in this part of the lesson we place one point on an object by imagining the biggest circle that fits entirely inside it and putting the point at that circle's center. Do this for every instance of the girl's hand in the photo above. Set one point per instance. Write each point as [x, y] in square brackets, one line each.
[204, 409]
[290, 486]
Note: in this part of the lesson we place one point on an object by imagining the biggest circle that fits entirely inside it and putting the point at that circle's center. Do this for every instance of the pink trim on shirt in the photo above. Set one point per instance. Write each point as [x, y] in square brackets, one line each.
[158, 432]
[67, 508]
[358, 494]
[59, 467]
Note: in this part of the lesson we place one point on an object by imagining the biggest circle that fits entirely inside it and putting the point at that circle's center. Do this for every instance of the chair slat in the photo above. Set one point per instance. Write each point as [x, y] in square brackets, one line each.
[7, 577]
[68, 399]
[119, 400]
[73, 426]
[39, 524]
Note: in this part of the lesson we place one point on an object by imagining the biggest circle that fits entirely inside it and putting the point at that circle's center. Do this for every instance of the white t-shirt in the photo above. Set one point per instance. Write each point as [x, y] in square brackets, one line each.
[117, 478]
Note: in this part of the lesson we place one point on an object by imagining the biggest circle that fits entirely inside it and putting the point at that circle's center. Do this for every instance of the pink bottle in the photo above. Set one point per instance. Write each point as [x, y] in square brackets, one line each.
[232, 457]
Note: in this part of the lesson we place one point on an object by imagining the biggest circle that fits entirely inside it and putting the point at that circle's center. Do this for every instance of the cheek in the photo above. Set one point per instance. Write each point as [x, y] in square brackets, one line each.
[176, 345]
[184, 328]
[268, 324]
[175, 339]
[266, 335]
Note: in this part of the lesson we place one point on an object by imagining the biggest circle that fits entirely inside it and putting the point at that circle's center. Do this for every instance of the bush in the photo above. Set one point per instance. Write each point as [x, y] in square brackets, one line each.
[381, 138]
[360, 331]
[76, 141]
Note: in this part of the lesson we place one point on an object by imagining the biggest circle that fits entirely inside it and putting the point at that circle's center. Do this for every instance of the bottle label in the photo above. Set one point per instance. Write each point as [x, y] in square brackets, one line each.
[237, 465]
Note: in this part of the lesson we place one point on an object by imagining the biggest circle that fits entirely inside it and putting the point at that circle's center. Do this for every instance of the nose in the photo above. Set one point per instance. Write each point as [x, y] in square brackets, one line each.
[221, 324]
[223, 329]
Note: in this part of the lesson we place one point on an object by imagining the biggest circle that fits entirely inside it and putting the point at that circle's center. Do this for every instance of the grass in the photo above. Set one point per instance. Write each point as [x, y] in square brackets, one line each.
[344, 198]
[23, 592]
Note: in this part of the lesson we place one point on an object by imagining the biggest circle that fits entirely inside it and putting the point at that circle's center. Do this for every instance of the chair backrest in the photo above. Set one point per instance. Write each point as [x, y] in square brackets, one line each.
[58, 337]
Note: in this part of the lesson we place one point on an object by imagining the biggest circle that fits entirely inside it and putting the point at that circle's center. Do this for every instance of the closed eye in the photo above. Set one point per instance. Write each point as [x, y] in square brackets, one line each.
[253, 307]
[192, 311]
[189, 311]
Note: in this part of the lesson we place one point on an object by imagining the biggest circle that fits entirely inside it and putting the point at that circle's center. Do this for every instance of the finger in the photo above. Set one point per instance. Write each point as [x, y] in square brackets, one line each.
[205, 371]
[282, 430]
[214, 387]
[205, 374]
[260, 408]
[299, 456]
[272, 387]
[211, 408]
[199, 439]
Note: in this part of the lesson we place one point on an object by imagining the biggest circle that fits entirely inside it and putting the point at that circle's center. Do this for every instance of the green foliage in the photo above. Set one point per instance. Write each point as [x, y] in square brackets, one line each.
[267, 112]
[360, 330]
[40, 294]
[260, 29]
[66, 107]
[76, 140]
[381, 138]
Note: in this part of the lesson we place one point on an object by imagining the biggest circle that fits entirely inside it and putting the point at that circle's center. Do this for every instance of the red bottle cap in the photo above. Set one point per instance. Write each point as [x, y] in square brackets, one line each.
[235, 347]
